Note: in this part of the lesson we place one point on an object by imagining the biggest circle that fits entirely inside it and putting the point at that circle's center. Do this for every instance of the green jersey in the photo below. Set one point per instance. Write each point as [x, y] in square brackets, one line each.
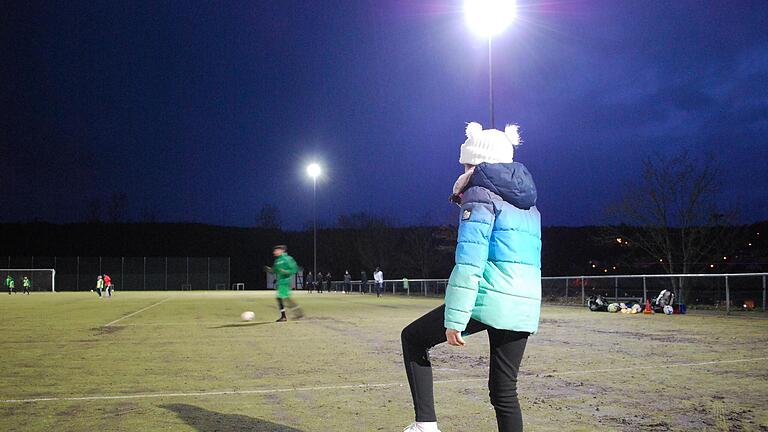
[284, 268]
[10, 283]
[26, 282]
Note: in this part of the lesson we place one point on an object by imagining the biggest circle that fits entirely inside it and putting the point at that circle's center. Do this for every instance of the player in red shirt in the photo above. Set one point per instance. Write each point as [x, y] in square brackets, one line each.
[108, 285]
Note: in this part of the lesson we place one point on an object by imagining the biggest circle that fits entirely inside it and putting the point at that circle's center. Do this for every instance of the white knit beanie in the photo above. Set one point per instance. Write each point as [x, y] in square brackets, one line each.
[490, 145]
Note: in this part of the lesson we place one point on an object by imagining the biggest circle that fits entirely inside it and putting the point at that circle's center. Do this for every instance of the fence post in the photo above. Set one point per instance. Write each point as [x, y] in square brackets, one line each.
[582, 290]
[209, 274]
[763, 293]
[144, 275]
[727, 297]
[645, 291]
[77, 282]
[122, 273]
[616, 289]
[424, 287]
[566, 290]
[166, 273]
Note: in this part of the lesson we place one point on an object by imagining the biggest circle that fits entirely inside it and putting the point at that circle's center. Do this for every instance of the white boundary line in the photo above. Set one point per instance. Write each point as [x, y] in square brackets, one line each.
[353, 386]
[134, 313]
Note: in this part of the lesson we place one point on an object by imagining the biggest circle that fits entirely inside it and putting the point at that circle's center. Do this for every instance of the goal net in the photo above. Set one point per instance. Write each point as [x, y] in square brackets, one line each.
[36, 280]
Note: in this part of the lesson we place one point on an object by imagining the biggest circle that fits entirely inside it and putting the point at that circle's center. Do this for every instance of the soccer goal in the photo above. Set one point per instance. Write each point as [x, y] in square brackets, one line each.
[36, 279]
[238, 286]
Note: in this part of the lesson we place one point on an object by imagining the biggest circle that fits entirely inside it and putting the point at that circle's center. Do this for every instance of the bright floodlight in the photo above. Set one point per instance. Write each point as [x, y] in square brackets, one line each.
[313, 170]
[489, 17]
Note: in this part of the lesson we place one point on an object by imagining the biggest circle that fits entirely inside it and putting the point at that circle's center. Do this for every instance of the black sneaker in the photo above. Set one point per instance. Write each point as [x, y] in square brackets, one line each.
[282, 319]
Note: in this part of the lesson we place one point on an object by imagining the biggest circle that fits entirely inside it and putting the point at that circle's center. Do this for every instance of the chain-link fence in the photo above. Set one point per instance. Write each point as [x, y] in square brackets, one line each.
[726, 292]
[127, 273]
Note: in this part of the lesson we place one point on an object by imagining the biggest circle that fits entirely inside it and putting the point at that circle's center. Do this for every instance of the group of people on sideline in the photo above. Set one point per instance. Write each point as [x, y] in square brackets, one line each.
[104, 287]
[10, 284]
[325, 283]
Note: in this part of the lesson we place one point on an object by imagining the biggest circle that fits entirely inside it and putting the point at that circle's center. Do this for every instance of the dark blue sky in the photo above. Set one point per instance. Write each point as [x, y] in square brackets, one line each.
[206, 111]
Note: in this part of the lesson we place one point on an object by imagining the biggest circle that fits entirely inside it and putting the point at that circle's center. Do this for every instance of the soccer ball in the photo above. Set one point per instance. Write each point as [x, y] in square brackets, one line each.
[247, 316]
[636, 308]
[613, 307]
[668, 310]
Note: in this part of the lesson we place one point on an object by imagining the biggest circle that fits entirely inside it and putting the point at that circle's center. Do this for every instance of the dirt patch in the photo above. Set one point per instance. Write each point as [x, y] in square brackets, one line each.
[107, 330]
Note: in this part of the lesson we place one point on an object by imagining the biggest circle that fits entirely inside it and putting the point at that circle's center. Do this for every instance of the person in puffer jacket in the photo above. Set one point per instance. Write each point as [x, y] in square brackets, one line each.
[495, 285]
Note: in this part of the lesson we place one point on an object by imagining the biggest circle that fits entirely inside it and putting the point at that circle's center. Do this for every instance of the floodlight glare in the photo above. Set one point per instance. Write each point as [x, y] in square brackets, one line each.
[489, 17]
[313, 170]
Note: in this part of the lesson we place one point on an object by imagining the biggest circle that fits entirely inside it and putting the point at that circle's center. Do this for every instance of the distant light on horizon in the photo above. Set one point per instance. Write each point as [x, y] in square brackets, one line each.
[489, 17]
[314, 170]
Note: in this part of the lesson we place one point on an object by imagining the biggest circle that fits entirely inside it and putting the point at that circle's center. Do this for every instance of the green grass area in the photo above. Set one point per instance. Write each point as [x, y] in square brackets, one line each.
[189, 364]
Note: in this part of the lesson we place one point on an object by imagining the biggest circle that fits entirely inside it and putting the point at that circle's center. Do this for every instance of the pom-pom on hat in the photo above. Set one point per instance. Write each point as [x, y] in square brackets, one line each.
[490, 145]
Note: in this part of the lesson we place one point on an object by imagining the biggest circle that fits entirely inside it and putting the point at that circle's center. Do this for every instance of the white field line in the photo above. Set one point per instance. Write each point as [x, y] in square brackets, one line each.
[354, 386]
[137, 312]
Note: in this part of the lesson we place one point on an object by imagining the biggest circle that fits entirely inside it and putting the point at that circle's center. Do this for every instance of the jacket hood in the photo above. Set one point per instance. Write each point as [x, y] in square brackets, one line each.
[511, 181]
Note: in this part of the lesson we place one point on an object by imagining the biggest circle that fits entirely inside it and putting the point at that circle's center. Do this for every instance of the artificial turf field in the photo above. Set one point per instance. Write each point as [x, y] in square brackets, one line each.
[184, 362]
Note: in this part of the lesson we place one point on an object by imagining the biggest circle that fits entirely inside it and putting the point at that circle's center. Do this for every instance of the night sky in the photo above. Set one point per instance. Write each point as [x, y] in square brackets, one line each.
[207, 111]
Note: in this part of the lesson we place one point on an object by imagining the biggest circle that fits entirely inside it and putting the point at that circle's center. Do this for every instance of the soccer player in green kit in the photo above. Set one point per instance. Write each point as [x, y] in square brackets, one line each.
[10, 284]
[27, 284]
[284, 268]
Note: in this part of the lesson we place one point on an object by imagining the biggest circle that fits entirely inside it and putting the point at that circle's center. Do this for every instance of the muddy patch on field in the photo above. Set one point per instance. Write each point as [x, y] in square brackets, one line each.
[107, 330]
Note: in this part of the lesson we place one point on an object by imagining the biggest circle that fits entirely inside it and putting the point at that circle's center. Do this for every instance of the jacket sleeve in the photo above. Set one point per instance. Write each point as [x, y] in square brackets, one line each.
[475, 227]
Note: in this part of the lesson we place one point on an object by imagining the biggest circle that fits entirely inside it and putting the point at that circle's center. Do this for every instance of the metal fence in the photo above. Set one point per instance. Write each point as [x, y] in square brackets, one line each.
[726, 292]
[131, 273]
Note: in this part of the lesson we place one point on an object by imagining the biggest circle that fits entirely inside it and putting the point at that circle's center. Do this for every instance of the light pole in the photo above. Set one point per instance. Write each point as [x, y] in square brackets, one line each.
[314, 170]
[489, 18]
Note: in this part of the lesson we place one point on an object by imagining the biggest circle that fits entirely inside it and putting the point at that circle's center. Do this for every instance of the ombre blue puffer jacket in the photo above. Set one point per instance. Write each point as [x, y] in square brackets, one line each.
[497, 276]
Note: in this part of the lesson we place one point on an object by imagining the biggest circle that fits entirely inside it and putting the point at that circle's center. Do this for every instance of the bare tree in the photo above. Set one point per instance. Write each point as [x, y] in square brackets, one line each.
[375, 240]
[268, 217]
[117, 208]
[672, 214]
[94, 211]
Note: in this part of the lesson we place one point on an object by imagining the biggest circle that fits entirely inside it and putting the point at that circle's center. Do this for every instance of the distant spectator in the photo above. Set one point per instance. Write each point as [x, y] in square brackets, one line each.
[347, 282]
[378, 276]
[329, 281]
[406, 285]
[363, 281]
[309, 281]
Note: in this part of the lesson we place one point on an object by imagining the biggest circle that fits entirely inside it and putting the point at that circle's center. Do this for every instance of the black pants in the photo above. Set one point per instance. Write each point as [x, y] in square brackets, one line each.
[286, 301]
[507, 348]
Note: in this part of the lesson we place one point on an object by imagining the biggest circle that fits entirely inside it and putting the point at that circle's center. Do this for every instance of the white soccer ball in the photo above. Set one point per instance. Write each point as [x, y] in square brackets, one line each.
[668, 310]
[247, 316]
[613, 307]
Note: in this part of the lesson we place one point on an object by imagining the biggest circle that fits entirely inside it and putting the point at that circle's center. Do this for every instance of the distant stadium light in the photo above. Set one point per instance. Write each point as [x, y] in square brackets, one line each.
[314, 170]
[489, 17]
